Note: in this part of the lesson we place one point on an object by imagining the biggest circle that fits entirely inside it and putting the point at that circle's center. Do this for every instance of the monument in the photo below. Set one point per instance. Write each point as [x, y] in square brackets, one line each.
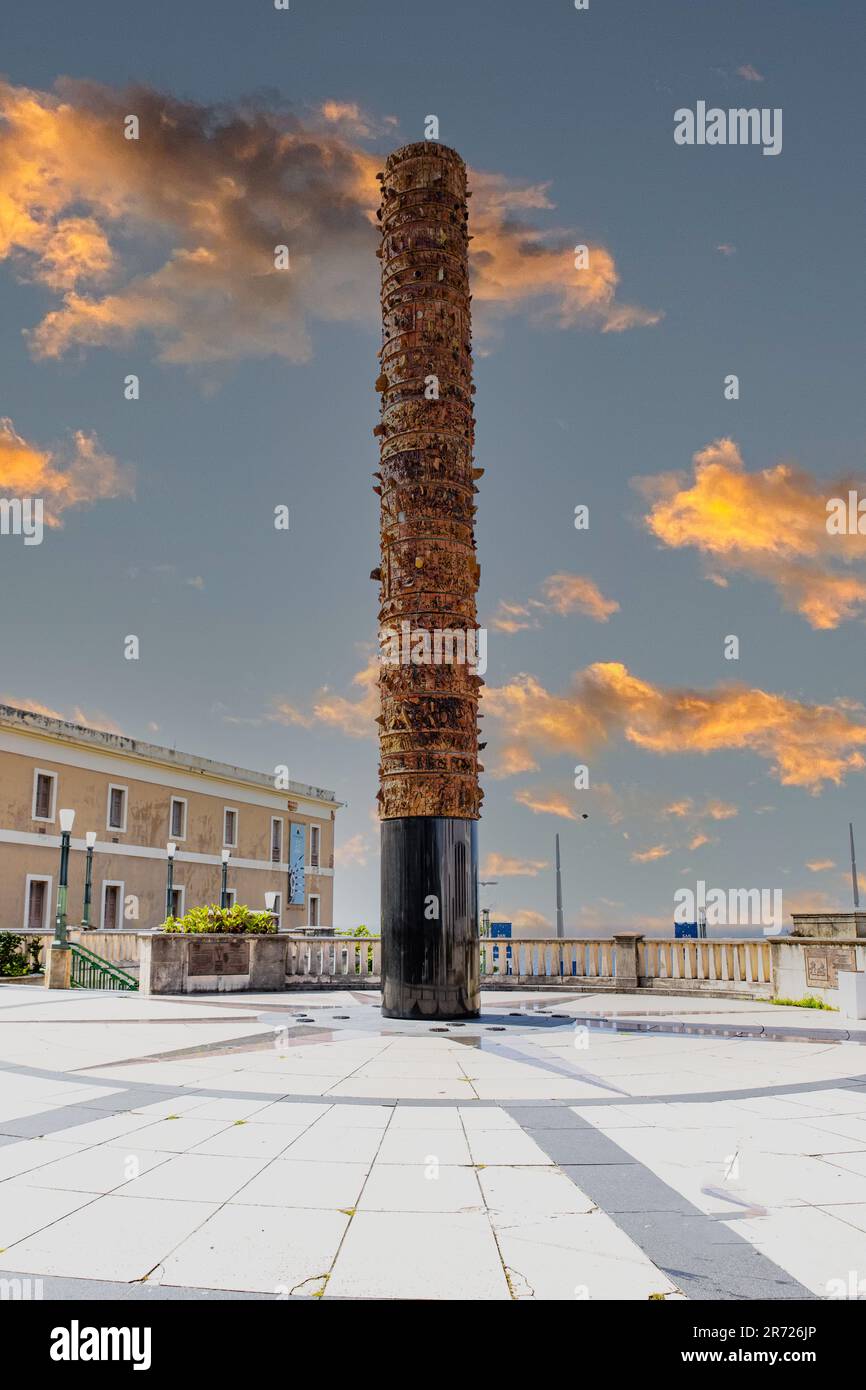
[429, 798]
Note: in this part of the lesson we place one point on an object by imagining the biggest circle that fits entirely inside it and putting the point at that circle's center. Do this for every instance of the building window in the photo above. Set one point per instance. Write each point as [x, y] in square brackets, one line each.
[177, 901]
[178, 818]
[230, 828]
[276, 840]
[314, 911]
[44, 795]
[231, 897]
[112, 906]
[116, 808]
[314, 847]
[37, 902]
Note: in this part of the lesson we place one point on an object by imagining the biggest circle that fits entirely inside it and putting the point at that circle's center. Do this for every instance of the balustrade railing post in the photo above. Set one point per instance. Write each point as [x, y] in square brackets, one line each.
[625, 948]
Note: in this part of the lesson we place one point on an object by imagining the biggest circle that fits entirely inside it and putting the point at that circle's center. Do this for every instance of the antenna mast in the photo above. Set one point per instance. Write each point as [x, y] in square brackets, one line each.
[560, 930]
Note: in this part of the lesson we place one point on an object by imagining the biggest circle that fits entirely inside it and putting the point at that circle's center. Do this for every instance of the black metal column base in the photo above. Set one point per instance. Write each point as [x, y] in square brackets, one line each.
[430, 950]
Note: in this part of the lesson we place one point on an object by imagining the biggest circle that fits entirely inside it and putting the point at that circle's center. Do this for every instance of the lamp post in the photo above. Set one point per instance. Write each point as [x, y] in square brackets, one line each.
[90, 841]
[170, 851]
[485, 911]
[224, 892]
[60, 942]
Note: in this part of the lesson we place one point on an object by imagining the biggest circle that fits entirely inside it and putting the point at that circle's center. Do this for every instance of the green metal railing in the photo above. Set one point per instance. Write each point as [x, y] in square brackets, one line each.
[90, 971]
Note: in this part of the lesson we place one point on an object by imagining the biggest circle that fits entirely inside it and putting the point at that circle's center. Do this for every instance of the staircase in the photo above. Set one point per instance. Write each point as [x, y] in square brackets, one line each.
[90, 971]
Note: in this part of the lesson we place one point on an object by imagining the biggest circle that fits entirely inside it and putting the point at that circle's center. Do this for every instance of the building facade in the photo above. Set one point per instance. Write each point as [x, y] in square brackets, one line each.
[138, 798]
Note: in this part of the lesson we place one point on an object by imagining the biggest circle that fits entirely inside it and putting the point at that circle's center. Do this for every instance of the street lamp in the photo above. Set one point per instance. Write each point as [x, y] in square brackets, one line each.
[485, 911]
[171, 851]
[90, 841]
[60, 942]
[224, 892]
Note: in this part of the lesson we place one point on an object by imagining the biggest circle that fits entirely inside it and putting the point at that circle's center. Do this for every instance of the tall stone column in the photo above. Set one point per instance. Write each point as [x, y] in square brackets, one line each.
[429, 798]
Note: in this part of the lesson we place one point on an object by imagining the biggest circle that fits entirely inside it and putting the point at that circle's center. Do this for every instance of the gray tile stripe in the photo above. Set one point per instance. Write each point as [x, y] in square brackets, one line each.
[699, 1253]
[55, 1288]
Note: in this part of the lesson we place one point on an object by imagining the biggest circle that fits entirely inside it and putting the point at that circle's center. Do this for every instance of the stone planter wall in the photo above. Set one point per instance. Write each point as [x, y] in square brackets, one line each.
[187, 963]
[803, 965]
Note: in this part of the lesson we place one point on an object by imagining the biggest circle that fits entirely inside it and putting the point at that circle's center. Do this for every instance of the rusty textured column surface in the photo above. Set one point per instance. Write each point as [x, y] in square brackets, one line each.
[429, 798]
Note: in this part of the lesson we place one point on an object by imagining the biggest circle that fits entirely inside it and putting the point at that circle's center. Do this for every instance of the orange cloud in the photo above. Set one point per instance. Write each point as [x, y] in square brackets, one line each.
[529, 923]
[513, 617]
[515, 263]
[546, 803]
[355, 718]
[77, 715]
[505, 866]
[569, 593]
[771, 525]
[806, 745]
[563, 594]
[817, 866]
[648, 856]
[355, 850]
[75, 476]
[715, 810]
[211, 191]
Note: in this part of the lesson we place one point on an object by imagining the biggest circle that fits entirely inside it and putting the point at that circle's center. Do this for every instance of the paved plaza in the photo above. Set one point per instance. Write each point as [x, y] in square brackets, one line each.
[567, 1146]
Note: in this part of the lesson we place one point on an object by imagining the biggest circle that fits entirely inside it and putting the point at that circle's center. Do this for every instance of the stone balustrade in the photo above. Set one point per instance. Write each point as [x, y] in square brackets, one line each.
[757, 968]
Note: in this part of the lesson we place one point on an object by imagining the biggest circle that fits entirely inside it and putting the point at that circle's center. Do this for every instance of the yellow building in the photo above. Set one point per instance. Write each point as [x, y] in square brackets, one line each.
[137, 798]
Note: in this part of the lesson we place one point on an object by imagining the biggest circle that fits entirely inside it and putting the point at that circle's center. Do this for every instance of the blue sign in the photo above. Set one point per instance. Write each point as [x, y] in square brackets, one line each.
[297, 842]
[500, 929]
[685, 929]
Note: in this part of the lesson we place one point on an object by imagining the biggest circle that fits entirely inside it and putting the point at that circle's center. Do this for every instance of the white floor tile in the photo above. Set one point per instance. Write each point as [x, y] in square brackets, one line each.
[418, 1255]
[416, 1187]
[110, 1238]
[261, 1249]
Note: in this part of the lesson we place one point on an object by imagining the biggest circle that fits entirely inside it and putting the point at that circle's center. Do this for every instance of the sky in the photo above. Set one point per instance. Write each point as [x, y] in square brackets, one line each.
[602, 387]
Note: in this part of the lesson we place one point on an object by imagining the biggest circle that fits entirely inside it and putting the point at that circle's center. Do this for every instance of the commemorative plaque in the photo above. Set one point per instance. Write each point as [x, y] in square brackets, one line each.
[823, 964]
[219, 958]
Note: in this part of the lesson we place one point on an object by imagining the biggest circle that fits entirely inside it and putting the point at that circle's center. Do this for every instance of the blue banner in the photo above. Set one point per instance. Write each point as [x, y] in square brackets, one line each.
[297, 842]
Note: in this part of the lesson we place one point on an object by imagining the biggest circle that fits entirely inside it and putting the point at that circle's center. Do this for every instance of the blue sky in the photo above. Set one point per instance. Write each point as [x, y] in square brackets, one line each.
[237, 620]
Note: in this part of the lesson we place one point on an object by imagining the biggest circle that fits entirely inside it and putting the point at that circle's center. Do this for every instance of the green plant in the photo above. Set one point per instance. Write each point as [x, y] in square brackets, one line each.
[363, 932]
[229, 920]
[18, 956]
[809, 1001]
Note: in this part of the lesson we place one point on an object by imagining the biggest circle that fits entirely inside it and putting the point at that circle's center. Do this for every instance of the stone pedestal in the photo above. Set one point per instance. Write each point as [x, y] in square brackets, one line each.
[430, 947]
[625, 946]
[829, 925]
[852, 993]
[58, 968]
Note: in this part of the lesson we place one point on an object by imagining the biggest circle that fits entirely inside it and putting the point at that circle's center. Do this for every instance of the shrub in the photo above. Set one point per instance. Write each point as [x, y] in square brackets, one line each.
[363, 932]
[221, 919]
[18, 956]
[809, 1001]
